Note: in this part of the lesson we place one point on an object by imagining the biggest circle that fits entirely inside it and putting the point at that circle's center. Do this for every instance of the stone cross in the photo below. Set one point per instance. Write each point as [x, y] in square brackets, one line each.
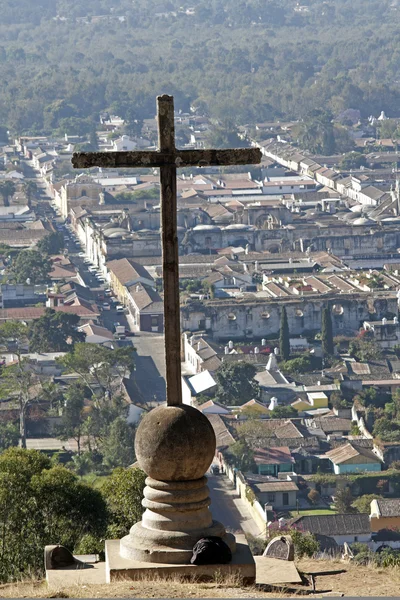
[168, 159]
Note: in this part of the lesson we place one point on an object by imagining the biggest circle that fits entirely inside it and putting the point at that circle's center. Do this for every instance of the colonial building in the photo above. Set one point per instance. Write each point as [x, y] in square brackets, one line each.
[146, 307]
[81, 191]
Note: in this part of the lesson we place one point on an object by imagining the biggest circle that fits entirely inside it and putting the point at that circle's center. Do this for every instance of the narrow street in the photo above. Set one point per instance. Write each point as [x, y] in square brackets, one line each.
[228, 508]
[150, 365]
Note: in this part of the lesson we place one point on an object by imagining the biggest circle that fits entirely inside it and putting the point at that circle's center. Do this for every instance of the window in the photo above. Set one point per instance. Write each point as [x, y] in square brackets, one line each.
[271, 497]
[356, 538]
[154, 321]
[285, 499]
[83, 193]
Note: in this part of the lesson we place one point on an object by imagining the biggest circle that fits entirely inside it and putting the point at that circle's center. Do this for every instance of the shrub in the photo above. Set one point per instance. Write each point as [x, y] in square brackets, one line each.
[313, 496]
[257, 545]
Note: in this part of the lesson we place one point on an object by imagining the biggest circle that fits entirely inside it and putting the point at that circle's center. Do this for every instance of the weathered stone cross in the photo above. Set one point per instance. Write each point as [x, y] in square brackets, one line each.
[168, 158]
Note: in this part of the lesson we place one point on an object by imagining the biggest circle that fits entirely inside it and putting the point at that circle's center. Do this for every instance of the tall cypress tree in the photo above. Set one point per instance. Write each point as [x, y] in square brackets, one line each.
[284, 341]
[326, 333]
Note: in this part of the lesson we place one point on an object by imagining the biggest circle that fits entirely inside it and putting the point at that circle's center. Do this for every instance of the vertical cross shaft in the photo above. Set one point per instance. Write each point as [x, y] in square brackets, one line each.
[166, 141]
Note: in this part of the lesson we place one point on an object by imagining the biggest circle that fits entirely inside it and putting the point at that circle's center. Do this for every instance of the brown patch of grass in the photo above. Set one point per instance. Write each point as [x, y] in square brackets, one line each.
[358, 580]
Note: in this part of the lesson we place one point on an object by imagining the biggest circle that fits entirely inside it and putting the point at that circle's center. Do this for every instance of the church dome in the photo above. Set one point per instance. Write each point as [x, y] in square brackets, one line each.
[357, 208]
[238, 227]
[111, 225]
[115, 232]
[206, 228]
[362, 221]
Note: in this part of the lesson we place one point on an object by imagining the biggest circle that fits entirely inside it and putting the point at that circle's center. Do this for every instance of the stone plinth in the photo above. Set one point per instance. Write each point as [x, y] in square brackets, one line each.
[177, 515]
[174, 446]
[120, 568]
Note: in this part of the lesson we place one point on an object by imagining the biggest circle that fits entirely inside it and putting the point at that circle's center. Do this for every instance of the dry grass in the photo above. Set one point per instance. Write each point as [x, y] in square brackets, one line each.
[358, 580]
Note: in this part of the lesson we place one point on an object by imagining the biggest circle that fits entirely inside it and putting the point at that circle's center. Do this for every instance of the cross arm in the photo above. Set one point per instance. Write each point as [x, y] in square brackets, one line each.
[179, 158]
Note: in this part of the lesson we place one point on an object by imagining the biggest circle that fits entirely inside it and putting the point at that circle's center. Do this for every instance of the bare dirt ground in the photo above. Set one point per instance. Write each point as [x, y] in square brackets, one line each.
[357, 581]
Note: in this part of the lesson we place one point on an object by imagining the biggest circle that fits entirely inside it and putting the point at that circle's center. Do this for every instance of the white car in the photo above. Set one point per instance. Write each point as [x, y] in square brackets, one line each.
[119, 308]
[82, 254]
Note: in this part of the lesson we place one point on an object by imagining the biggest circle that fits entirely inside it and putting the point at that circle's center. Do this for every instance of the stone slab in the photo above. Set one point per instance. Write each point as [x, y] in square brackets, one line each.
[77, 575]
[118, 568]
[273, 571]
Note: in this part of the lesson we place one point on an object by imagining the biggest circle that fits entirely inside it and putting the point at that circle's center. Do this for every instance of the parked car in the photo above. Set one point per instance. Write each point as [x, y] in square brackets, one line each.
[119, 308]
[106, 306]
[215, 470]
[82, 254]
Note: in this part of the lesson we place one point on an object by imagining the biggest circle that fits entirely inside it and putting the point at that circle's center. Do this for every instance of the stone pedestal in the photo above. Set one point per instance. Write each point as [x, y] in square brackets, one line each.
[175, 446]
[177, 515]
[242, 567]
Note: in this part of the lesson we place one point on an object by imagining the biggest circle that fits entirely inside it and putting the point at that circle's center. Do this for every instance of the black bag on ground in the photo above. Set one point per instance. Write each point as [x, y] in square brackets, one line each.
[211, 551]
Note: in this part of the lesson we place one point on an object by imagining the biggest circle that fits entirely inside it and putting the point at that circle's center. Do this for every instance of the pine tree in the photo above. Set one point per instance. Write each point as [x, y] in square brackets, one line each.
[326, 333]
[284, 341]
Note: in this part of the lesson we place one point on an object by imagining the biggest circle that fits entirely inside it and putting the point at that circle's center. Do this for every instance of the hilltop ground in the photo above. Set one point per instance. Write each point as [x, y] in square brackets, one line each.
[358, 580]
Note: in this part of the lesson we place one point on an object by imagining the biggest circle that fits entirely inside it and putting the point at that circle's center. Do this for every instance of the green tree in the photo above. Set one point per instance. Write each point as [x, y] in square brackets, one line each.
[7, 190]
[123, 493]
[344, 501]
[99, 368]
[316, 133]
[313, 496]
[16, 379]
[73, 414]
[41, 505]
[242, 455]
[9, 435]
[52, 243]
[31, 265]
[364, 350]
[235, 384]
[301, 364]
[353, 160]
[283, 412]
[326, 333]
[30, 189]
[284, 339]
[224, 135]
[117, 447]
[93, 141]
[363, 503]
[54, 332]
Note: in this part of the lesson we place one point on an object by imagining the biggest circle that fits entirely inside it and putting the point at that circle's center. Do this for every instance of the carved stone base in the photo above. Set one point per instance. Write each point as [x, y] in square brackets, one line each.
[177, 515]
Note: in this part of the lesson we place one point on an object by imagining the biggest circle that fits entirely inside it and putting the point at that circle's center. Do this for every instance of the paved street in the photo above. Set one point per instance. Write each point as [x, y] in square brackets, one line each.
[150, 365]
[227, 508]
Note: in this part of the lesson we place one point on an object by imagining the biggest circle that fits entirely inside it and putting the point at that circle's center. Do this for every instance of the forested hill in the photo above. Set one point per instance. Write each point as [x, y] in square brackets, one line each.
[64, 61]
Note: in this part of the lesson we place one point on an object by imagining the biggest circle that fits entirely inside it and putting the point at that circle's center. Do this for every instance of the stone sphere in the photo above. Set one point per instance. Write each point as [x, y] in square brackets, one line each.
[175, 443]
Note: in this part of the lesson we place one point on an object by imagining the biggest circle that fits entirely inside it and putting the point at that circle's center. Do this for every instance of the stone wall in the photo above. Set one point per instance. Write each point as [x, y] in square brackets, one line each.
[232, 319]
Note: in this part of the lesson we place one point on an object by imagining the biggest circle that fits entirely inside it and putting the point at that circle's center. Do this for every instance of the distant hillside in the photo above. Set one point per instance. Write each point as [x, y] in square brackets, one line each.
[63, 61]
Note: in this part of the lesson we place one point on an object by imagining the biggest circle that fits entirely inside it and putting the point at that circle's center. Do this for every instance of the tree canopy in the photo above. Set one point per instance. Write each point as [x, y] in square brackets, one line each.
[32, 266]
[52, 243]
[66, 61]
[235, 384]
[40, 505]
[284, 339]
[54, 332]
